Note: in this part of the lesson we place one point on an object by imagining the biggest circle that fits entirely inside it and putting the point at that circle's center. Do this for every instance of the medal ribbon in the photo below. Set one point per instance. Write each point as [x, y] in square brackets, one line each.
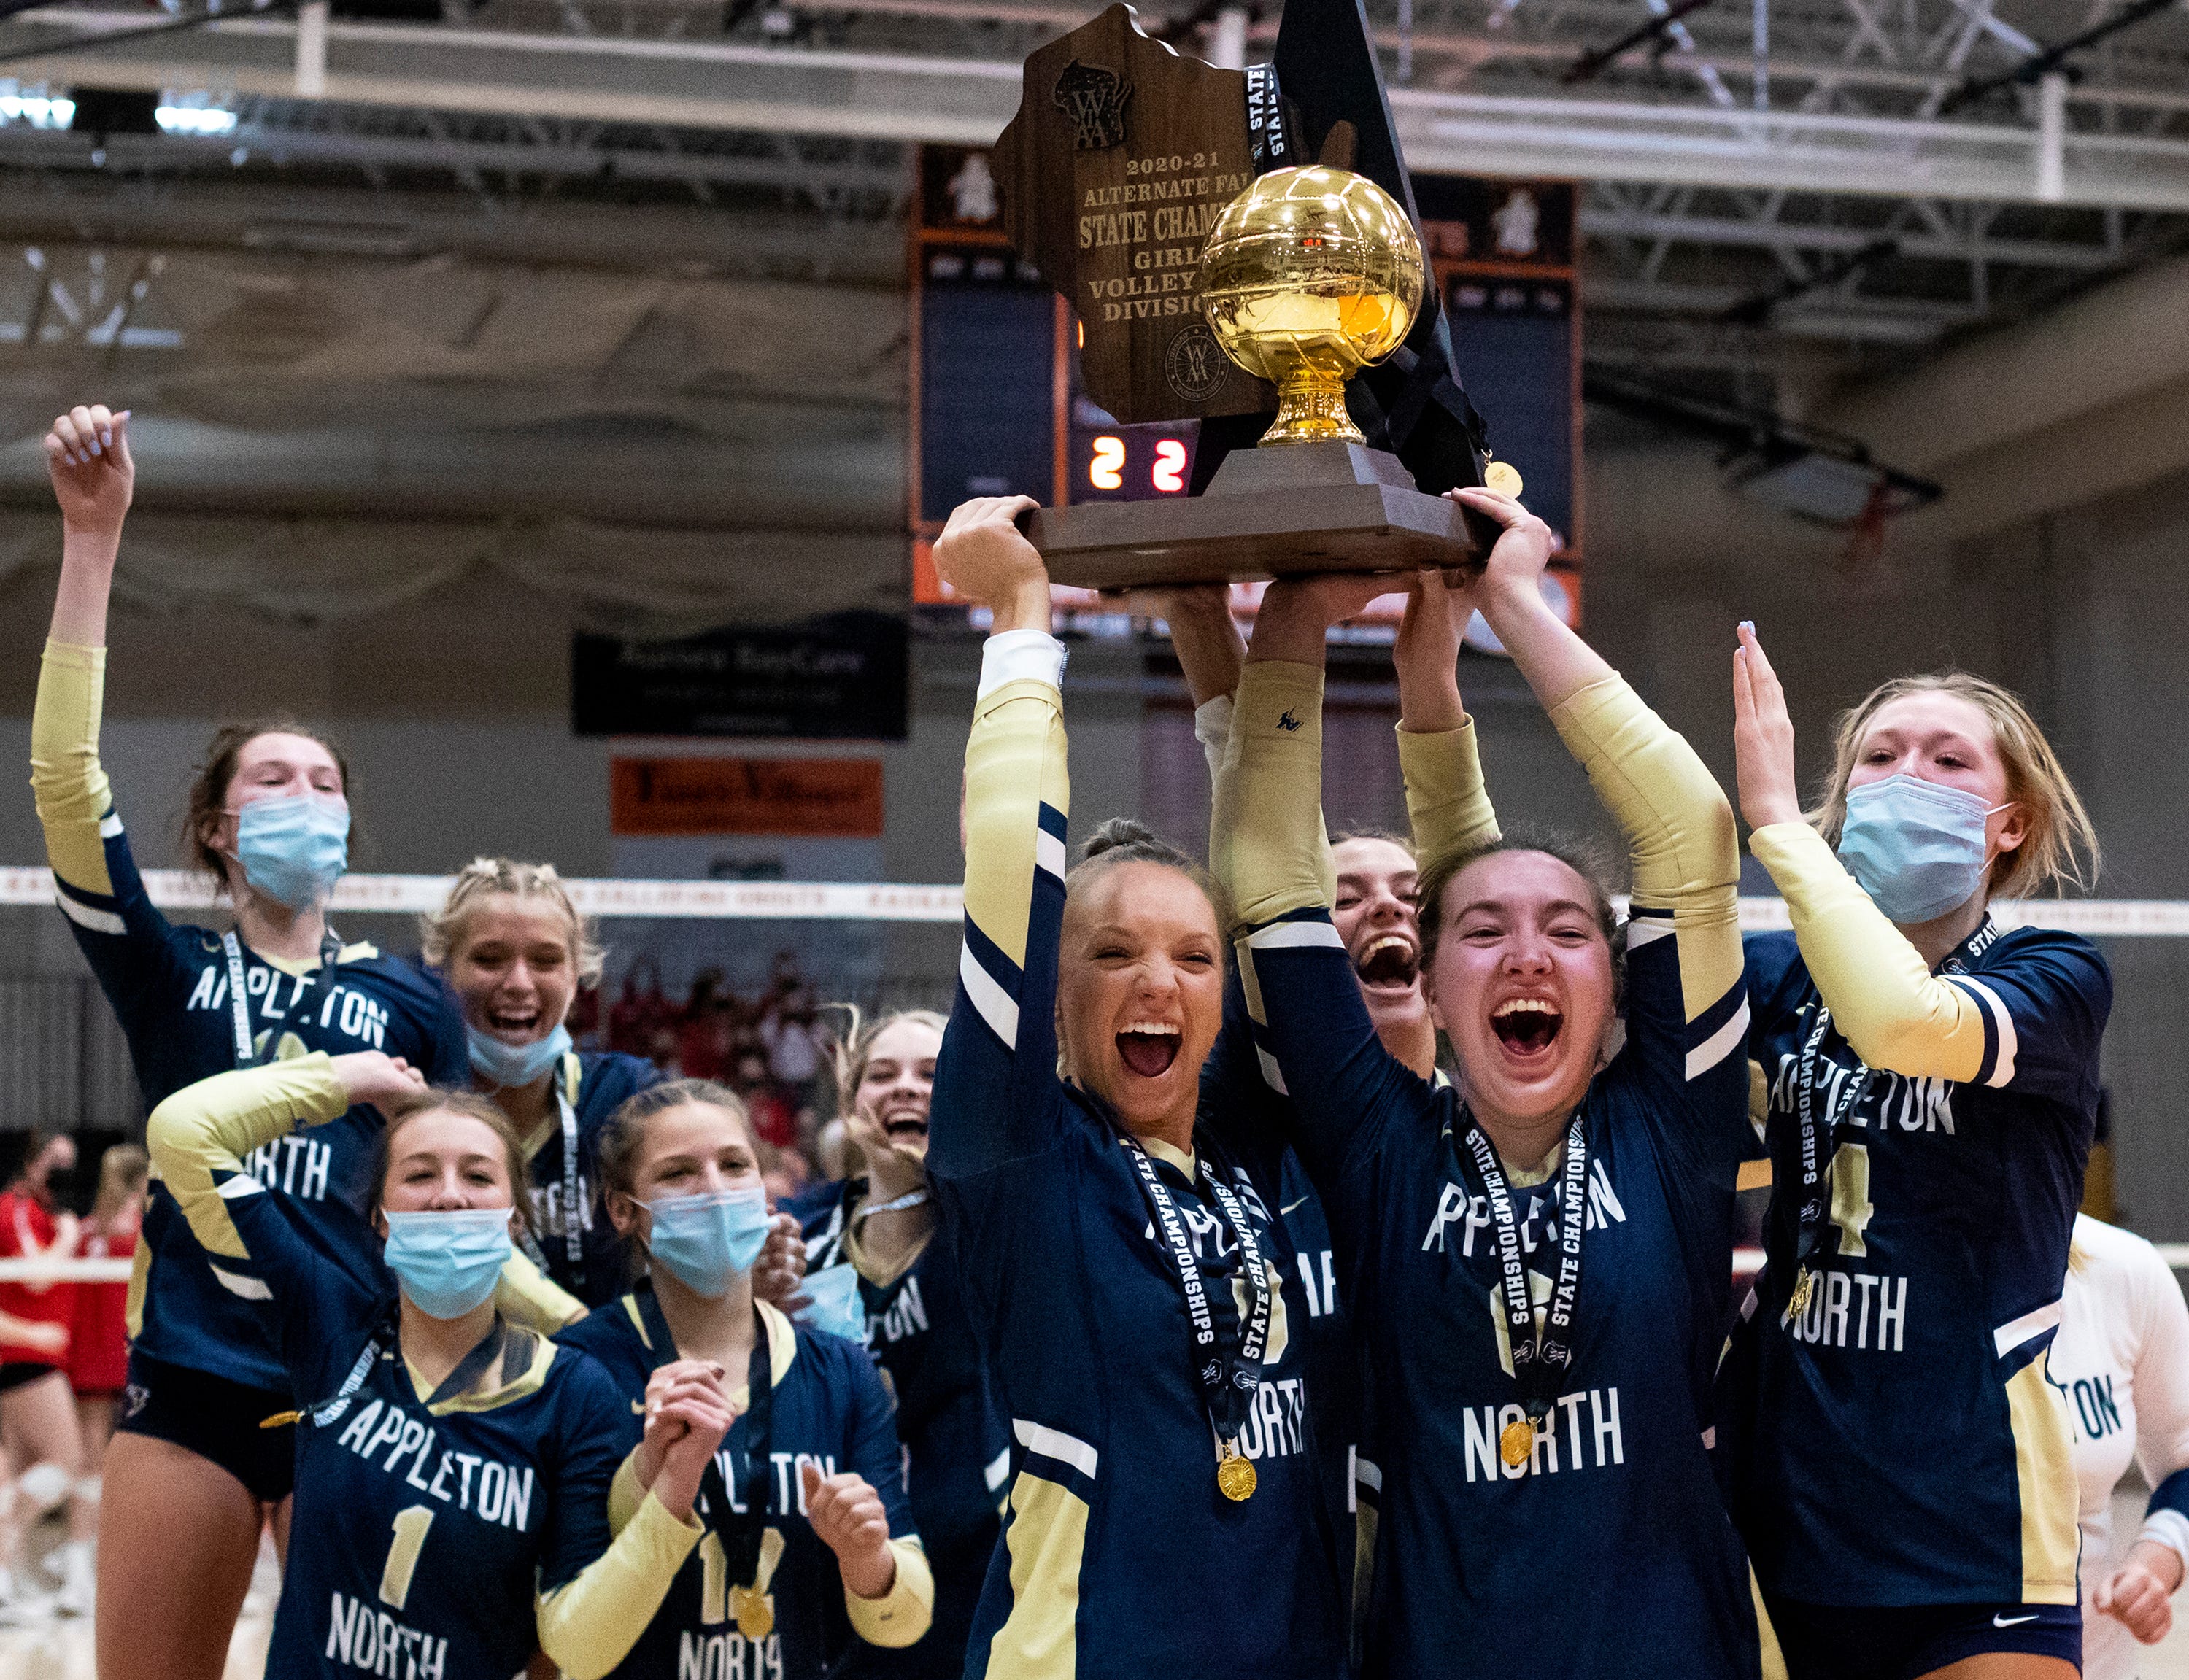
[740, 1535]
[1819, 1143]
[238, 1006]
[1227, 1386]
[1540, 1359]
[323, 1414]
[1265, 121]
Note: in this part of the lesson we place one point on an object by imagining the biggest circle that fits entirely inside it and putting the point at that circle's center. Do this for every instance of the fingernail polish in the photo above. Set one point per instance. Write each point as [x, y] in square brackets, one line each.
[95, 449]
[107, 438]
[1749, 625]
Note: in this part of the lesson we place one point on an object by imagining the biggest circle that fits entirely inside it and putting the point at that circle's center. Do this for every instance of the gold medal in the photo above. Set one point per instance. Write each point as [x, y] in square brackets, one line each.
[1234, 1476]
[1503, 478]
[1805, 1285]
[1516, 1442]
[755, 1615]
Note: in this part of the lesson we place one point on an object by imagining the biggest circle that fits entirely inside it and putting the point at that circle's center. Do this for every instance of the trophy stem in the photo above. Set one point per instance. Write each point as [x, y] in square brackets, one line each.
[1311, 409]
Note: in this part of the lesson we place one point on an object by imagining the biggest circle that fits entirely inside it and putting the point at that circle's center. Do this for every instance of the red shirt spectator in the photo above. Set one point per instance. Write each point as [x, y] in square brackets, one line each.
[30, 1228]
[99, 1347]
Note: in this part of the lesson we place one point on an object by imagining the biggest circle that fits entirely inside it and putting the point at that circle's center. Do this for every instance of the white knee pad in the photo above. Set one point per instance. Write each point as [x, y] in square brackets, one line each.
[45, 1485]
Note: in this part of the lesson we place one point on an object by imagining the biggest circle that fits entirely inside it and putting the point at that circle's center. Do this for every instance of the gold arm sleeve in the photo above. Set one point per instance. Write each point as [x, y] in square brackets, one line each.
[901, 1616]
[1678, 826]
[1265, 837]
[1896, 1014]
[526, 1295]
[1447, 805]
[67, 782]
[216, 1121]
[588, 1624]
[625, 1495]
[1014, 763]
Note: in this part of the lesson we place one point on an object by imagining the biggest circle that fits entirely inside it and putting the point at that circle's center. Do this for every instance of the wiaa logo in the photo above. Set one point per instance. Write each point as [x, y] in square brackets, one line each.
[1212, 1372]
[1093, 97]
[1558, 1355]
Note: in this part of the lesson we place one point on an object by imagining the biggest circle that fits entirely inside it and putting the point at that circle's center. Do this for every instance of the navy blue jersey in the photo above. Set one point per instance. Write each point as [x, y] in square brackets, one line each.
[418, 1531]
[1618, 1503]
[168, 986]
[956, 1452]
[1235, 1091]
[829, 1410]
[595, 1084]
[1607, 1555]
[1903, 1448]
[1120, 1556]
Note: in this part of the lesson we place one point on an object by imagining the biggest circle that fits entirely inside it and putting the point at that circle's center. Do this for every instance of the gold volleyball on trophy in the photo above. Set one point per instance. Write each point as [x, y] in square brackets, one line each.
[1307, 277]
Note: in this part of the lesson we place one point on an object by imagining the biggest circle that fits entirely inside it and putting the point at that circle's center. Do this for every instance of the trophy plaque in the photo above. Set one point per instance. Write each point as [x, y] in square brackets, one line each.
[1209, 263]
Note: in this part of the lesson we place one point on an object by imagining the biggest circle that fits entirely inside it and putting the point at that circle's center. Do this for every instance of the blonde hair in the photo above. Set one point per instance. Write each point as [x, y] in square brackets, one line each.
[855, 1046]
[441, 934]
[122, 1171]
[2059, 847]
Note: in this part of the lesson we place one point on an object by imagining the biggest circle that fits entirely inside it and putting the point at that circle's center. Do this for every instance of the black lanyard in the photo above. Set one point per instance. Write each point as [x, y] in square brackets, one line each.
[247, 1041]
[325, 1413]
[1540, 1359]
[573, 1222]
[1228, 1382]
[1819, 1145]
[740, 1535]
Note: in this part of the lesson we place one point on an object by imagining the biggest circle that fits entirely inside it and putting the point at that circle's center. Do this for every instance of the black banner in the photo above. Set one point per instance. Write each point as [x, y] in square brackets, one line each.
[842, 677]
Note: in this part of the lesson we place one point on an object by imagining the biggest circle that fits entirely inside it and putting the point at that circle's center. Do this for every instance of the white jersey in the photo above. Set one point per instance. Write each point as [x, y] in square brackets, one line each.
[2122, 1360]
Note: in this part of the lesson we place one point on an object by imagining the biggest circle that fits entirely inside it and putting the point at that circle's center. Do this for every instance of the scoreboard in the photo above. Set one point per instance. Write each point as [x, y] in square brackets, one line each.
[998, 410]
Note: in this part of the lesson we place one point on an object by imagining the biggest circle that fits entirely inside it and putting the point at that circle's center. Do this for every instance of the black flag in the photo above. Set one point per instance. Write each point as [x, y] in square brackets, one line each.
[1411, 402]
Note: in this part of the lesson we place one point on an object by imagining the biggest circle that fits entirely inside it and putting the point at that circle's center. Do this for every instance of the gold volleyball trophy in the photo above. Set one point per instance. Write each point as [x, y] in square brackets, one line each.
[1308, 275]
[1209, 260]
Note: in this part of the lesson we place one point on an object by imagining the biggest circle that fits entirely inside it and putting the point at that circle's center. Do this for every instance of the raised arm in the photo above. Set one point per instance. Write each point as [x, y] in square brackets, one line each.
[199, 1136]
[1896, 1013]
[996, 1085]
[1315, 1041]
[88, 459]
[1447, 806]
[1688, 1016]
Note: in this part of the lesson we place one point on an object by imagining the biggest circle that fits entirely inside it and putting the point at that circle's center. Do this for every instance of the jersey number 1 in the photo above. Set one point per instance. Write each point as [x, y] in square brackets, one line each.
[410, 1526]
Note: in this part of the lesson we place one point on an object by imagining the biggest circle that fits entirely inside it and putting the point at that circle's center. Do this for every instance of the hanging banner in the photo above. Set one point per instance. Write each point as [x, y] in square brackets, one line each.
[842, 677]
[835, 798]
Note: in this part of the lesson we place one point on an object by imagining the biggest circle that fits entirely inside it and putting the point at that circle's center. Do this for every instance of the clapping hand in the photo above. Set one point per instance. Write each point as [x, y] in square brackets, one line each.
[848, 1516]
[779, 1273]
[687, 1413]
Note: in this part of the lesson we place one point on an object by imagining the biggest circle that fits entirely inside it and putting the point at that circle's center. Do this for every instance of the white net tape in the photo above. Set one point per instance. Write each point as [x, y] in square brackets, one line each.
[860, 901]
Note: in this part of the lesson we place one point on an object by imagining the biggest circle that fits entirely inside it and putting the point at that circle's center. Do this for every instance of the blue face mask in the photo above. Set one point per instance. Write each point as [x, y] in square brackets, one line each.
[1916, 847]
[293, 847]
[837, 1306]
[505, 1065]
[447, 1260]
[704, 1241]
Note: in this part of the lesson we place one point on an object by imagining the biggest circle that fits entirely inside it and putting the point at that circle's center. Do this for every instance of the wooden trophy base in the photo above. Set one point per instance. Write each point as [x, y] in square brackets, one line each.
[1287, 509]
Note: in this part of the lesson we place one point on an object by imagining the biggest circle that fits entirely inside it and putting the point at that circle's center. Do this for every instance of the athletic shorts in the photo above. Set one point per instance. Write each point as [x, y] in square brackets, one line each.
[14, 1372]
[215, 1418]
[1829, 1642]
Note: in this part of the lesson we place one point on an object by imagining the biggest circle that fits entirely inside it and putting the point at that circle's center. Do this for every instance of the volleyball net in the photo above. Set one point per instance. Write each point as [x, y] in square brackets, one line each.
[877, 903]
